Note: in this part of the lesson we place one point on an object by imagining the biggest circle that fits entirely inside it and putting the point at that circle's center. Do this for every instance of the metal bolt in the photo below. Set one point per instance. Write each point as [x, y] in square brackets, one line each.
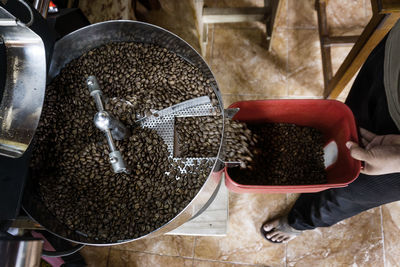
[113, 160]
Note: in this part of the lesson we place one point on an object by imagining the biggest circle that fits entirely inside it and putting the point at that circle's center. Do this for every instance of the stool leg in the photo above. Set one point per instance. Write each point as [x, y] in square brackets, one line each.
[271, 10]
[320, 6]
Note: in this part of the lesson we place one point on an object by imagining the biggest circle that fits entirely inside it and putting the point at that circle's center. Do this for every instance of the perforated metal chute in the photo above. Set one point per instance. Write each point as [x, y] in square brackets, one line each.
[165, 127]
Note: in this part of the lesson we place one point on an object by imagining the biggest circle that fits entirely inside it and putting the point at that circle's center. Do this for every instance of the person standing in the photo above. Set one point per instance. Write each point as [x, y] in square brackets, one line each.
[375, 101]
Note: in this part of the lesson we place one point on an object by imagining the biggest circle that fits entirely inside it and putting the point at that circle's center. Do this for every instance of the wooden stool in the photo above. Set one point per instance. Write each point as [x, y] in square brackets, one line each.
[266, 14]
[385, 15]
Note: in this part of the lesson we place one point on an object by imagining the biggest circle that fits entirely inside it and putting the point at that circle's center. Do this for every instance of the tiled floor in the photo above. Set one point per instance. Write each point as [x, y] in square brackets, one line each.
[245, 70]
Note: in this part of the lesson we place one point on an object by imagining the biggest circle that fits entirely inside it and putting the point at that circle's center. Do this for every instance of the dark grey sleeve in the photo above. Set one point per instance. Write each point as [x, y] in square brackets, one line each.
[392, 73]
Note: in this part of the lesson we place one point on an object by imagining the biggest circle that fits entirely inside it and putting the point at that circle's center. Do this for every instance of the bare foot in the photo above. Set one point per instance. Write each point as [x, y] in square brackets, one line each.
[278, 231]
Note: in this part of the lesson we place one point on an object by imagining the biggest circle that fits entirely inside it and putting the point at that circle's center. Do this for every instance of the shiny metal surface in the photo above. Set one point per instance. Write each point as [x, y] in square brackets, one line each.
[25, 85]
[81, 41]
[109, 125]
[20, 253]
[191, 103]
[103, 120]
[42, 6]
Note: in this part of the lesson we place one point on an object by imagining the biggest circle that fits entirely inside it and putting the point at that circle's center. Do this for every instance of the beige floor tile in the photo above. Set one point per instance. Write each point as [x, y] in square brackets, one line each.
[95, 256]
[203, 263]
[189, 35]
[338, 55]
[306, 81]
[346, 14]
[230, 99]
[281, 20]
[368, 9]
[209, 45]
[291, 199]
[304, 49]
[173, 14]
[354, 242]
[242, 64]
[177, 17]
[234, 3]
[243, 243]
[163, 245]
[102, 10]
[302, 14]
[119, 258]
[305, 76]
[391, 228]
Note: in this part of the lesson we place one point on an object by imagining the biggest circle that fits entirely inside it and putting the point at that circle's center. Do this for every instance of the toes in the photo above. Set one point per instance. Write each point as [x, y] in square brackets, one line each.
[271, 234]
[280, 238]
[270, 231]
[270, 225]
[275, 237]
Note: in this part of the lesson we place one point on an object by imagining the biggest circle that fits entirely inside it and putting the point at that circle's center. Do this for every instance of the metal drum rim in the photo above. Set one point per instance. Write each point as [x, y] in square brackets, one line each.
[213, 179]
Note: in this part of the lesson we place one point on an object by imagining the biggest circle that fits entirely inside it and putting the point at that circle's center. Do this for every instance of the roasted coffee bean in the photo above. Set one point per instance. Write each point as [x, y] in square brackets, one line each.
[282, 154]
[238, 141]
[198, 137]
[70, 160]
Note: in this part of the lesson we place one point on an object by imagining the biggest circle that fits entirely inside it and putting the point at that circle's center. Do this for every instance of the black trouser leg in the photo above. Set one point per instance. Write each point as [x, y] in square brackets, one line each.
[331, 206]
[367, 100]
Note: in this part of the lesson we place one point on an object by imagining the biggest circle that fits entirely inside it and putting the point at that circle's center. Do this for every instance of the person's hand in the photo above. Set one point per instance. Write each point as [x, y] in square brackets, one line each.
[381, 153]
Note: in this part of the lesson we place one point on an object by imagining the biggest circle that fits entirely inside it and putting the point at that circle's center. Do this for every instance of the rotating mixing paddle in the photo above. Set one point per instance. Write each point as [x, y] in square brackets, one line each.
[109, 125]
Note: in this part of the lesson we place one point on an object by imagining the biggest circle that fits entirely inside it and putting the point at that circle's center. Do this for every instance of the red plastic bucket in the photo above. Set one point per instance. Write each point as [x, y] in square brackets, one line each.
[333, 118]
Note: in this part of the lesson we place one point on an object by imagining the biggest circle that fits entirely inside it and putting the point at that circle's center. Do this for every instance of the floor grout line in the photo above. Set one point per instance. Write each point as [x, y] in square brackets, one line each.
[189, 258]
[231, 262]
[152, 253]
[287, 14]
[108, 257]
[383, 237]
[212, 45]
[194, 246]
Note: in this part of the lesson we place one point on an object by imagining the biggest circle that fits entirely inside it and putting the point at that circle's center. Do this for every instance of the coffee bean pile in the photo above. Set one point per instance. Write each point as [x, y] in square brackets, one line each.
[198, 137]
[283, 154]
[148, 76]
[70, 161]
[239, 141]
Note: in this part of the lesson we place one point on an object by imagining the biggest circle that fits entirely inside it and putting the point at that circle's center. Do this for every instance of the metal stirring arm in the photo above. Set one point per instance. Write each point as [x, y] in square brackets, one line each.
[111, 126]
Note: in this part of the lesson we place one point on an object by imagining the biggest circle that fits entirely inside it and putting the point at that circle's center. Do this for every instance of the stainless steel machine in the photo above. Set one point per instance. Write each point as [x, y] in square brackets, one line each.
[125, 31]
[22, 101]
[24, 89]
